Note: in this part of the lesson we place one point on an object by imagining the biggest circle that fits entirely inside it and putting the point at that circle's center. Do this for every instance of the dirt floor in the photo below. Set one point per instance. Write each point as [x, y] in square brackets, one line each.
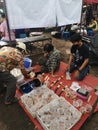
[14, 118]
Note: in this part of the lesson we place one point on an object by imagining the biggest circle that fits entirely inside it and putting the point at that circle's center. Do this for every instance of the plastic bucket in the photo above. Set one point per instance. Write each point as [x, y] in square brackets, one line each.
[66, 35]
[27, 63]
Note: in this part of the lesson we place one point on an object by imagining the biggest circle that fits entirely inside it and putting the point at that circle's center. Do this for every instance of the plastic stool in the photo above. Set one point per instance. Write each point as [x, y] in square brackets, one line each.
[90, 33]
[66, 35]
[22, 35]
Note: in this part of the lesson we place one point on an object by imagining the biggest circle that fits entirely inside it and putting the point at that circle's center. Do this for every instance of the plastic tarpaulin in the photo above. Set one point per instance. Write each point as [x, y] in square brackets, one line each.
[91, 1]
[42, 13]
[68, 11]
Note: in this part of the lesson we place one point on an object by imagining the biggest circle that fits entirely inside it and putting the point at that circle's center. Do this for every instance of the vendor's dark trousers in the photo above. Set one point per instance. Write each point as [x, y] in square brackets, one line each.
[42, 63]
[9, 81]
[82, 74]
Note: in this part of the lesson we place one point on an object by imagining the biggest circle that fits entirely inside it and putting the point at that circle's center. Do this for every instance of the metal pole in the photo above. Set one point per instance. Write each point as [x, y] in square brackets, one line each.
[81, 17]
[8, 27]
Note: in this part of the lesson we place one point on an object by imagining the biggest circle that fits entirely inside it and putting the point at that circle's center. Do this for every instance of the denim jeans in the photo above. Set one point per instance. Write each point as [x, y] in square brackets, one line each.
[83, 72]
[10, 81]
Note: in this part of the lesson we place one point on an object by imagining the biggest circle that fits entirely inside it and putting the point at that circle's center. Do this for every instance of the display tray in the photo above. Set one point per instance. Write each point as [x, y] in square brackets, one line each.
[59, 114]
[37, 98]
[29, 86]
[26, 88]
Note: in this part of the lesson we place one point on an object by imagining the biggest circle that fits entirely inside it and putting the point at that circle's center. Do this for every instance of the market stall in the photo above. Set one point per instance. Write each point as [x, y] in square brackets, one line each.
[30, 41]
[62, 87]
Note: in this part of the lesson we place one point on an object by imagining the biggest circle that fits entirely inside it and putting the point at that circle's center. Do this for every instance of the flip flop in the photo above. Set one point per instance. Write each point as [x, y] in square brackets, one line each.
[15, 100]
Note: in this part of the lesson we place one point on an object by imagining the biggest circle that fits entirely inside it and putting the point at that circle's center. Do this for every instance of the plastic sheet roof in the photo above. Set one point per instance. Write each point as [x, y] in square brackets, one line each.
[91, 1]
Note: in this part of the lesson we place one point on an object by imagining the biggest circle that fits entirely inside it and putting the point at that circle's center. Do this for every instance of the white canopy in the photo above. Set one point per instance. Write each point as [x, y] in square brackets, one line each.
[43, 13]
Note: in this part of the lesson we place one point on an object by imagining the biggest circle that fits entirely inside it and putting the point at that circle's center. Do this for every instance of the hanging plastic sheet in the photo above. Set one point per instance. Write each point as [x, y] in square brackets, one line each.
[91, 1]
[42, 13]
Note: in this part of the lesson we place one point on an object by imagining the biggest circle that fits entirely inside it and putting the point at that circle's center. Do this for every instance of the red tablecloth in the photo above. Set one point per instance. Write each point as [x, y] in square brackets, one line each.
[88, 81]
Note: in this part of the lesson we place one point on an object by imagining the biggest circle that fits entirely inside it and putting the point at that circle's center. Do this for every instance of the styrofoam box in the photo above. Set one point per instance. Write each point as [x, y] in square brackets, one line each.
[38, 98]
[59, 114]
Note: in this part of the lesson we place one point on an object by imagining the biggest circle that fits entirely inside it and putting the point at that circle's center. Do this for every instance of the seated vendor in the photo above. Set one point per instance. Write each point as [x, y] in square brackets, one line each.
[79, 58]
[51, 61]
[93, 25]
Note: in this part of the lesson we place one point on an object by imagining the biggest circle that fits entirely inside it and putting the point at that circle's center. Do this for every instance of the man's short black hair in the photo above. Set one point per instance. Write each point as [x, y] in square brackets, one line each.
[48, 47]
[76, 37]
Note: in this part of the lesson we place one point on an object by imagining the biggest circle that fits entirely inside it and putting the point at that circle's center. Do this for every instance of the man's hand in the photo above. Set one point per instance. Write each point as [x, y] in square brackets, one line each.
[45, 54]
[68, 67]
[76, 74]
